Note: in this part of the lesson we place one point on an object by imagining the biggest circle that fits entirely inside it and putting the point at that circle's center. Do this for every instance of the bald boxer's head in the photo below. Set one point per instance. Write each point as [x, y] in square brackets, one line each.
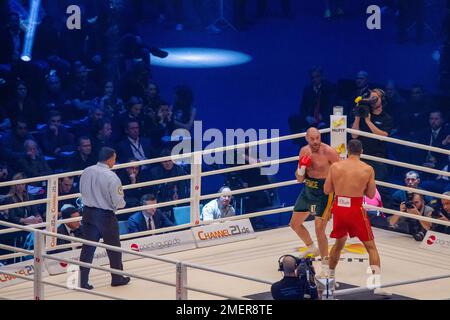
[314, 139]
[289, 265]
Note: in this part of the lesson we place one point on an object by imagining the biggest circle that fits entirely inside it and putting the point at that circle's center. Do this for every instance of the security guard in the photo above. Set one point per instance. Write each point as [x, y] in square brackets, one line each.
[102, 194]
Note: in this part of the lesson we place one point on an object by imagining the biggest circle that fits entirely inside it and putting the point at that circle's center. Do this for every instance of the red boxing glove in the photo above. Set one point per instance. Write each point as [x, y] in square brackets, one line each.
[303, 163]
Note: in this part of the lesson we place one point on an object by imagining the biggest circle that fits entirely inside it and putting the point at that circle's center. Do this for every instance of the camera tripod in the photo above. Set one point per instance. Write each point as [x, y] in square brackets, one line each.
[222, 22]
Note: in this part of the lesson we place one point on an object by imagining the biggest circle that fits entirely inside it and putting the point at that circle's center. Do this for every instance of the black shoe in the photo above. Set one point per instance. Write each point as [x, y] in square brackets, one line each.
[122, 282]
[86, 286]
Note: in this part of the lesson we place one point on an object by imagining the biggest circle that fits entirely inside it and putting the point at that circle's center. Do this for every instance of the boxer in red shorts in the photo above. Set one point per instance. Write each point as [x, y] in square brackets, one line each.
[350, 180]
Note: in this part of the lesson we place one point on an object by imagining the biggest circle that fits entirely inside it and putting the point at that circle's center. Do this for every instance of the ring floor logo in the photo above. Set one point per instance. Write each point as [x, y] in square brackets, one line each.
[431, 240]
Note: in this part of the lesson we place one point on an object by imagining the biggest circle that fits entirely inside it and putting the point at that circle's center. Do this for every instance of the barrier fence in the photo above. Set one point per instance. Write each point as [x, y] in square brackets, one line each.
[46, 238]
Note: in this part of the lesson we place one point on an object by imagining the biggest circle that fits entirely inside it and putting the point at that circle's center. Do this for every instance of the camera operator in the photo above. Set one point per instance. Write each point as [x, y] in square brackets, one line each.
[370, 117]
[442, 212]
[296, 283]
[416, 206]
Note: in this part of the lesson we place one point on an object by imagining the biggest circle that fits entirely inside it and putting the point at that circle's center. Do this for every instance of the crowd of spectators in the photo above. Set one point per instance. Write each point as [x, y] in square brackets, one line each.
[411, 115]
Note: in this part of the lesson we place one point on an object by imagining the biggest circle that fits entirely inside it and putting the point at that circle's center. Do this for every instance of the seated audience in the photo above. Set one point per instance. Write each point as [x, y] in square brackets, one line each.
[33, 164]
[55, 138]
[110, 103]
[416, 206]
[130, 176]
[102, 136]
[134, 146]
[412, 180]
[134, 112]
[66, 187]
[22, 215]
[72, 229]
[83, 157]
[87, 126]
[150, 219]
[12, 144]
[218, 208]
[184, 111]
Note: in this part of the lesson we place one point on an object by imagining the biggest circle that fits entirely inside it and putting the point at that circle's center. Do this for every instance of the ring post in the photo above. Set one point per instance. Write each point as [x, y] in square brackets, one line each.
[38, 263]
[338, 141]
[52, 210]
[196, 186]
[181, 283]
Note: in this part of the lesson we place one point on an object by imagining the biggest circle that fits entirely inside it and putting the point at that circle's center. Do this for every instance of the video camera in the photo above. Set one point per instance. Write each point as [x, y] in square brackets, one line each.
[306, 273]
[364, 106]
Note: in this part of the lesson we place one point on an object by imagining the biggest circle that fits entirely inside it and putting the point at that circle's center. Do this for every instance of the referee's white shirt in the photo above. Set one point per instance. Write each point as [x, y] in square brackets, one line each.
[101, 188]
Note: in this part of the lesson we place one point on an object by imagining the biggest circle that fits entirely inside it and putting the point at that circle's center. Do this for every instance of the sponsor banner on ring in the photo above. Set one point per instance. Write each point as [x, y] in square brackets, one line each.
[437, 242]
[25, 269]
[223, 232]
[339, 135]
[157, 244]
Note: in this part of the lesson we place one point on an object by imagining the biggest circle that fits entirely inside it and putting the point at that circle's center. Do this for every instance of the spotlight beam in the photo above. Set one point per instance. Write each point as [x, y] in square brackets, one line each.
[31, 30]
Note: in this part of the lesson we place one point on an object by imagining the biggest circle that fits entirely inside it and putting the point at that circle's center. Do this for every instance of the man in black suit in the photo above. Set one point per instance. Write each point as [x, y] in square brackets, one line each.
[72, 229]
[134, 146]
[83, 157]
[436, 136]
[150, 219]
[316, 105]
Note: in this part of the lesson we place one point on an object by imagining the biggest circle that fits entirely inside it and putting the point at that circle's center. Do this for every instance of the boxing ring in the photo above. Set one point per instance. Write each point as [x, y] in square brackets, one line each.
[210, 272]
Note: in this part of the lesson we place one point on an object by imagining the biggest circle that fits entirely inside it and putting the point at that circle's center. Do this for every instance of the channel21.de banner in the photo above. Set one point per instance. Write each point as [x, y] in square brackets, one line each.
[157, 244]
[225, 232]
[437, 242]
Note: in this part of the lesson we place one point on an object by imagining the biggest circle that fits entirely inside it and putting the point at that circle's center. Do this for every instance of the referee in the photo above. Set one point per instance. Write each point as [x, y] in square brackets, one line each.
[101, 194]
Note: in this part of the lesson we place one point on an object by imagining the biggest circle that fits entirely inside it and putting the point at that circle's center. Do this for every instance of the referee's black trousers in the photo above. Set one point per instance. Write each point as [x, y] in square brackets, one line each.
[99, 223]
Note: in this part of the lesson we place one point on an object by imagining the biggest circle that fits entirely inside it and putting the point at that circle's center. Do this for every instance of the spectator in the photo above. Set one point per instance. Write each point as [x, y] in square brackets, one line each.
[218, 208]
[184, 111]
[362, 85]
[163, 127]
[149, 219]
[412, 180]
[394, 101]
[436, 135]
[376, 202]
[102, 136]
[82, 90]
[66, 187]
[12, 143]
[316, 105]
[380, 123]
[88, 124]
[55, 99]
[110, 103]
[152, 100]
[441, 183]
[131, 176]
[23, 215]
[134, 112]
[55, 137]
[171, 190]
[12, 38]
[33, 164]
[83, 157]
[291, 286]
[416, 228]
[419, 106]
[134, 146]
[442, 212]
[72, 229]
[5, 175]
[22, 106]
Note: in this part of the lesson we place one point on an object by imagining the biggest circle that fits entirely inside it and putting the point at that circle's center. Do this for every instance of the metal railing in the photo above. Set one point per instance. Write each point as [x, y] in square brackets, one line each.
[194, 200]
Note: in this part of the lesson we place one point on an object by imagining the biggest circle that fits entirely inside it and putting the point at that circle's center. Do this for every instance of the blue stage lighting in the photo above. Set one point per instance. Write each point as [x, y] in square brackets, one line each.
[200, 58]
[31, 30]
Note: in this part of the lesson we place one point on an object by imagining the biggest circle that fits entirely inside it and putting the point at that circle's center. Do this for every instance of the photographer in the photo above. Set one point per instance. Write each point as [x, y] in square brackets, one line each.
[442, 212]
[370, 117]
[298, 281]
[416, 206]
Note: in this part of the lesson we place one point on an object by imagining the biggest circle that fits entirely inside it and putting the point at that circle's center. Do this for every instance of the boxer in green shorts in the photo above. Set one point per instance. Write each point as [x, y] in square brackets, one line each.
[315, 160]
